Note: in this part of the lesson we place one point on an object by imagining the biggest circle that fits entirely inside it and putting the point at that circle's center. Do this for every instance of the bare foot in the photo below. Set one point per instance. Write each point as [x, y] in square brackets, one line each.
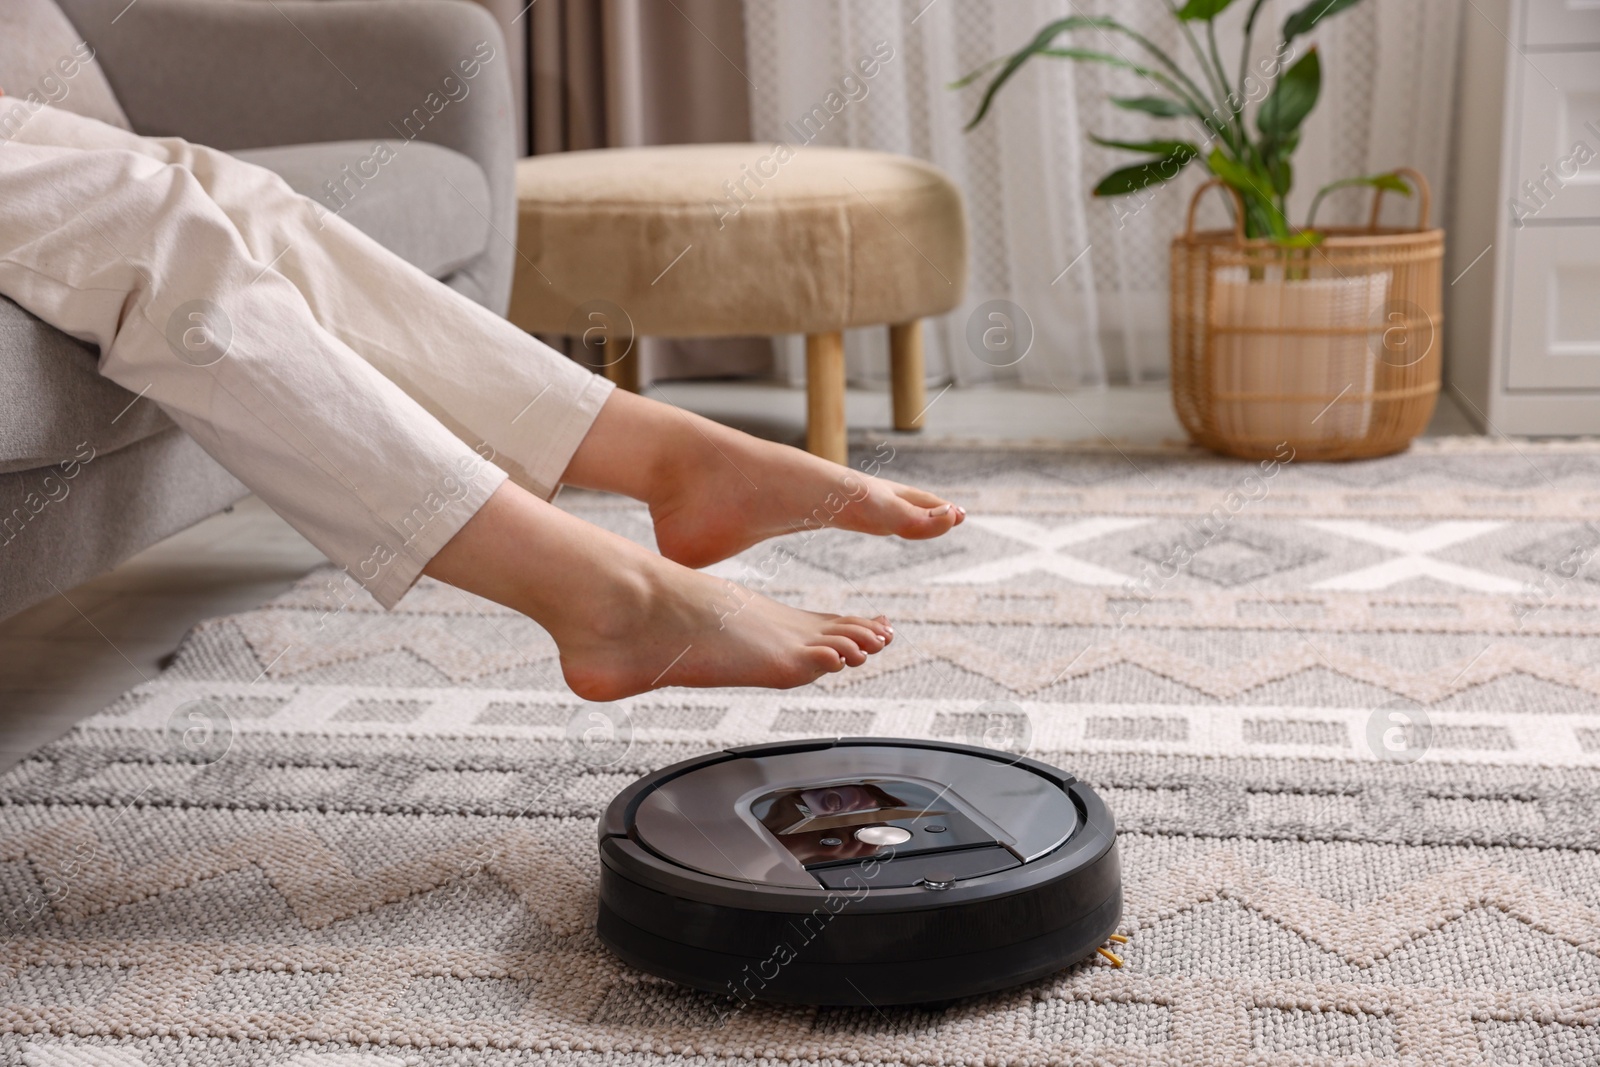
[761, 489]
[670, 625]
[627, 621]
[714, 491]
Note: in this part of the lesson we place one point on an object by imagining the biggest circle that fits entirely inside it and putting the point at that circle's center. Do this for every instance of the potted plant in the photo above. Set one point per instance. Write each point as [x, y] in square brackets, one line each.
[1279, 332]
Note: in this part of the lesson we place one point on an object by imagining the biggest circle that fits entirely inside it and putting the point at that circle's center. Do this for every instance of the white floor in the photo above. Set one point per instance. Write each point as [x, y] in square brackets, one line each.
[68, 657]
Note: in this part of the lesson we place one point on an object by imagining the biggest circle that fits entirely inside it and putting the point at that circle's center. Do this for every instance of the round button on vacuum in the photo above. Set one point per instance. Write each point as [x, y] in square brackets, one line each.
[883, 835]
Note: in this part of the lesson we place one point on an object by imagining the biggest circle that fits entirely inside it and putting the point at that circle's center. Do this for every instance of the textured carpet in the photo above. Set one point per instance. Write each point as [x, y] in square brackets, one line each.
[1348, 718]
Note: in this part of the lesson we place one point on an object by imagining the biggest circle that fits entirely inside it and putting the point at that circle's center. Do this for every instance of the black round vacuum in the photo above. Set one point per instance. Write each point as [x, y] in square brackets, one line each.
[857, 871]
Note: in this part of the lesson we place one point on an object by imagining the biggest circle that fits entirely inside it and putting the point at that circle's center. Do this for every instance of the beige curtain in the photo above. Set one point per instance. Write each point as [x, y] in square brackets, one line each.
[621, 73]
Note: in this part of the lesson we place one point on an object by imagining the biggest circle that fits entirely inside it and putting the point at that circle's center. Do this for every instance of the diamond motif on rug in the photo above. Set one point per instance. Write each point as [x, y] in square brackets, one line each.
[1232, 558]
[1563, 557]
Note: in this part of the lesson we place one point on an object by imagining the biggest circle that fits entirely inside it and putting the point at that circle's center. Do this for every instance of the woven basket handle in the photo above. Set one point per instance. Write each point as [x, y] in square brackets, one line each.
[1424, 198]
[1238, 209]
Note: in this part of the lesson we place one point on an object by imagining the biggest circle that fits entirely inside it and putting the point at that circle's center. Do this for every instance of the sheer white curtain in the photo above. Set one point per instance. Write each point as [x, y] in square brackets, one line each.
[1090, 274]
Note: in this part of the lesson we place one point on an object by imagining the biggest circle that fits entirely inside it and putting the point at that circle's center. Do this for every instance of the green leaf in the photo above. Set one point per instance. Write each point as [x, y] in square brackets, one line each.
[1041, 41]
[1305, 20]
[1299, 239]
[1292, 98]
[1391, 182]
[1171, 157]
[1237, 98]
[1254, 188]
[1090, 55]
[1250, 19]
[1281, 173]
[1202, 10]
[972, 76]
[1152, 105]
[1159, 147]
[1040, 46]
[1231, 171]
[1097, 57]
[1126, 180]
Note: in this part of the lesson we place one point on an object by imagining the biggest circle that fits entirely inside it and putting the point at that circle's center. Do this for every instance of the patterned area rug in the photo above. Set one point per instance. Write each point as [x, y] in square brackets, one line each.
[1347, 716]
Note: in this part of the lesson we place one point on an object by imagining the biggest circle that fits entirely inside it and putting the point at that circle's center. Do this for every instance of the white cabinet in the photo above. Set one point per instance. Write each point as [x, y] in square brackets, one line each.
[1555, 309]
[1522, 331]
[1558, 145]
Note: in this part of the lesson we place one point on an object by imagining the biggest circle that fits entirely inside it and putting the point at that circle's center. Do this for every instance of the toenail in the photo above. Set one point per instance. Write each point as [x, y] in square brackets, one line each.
[940, 510]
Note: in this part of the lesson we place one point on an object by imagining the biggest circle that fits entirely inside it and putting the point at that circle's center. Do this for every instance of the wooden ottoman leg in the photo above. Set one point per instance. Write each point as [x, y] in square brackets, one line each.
[906, 374]
[825, 429]
[625, 371]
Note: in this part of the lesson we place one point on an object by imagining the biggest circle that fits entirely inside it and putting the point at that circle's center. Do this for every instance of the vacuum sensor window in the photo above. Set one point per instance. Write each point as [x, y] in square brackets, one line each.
[842, 822]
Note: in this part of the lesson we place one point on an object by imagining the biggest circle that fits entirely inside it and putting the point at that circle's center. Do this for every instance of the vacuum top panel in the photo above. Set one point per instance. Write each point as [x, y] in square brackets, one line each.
[802, 818]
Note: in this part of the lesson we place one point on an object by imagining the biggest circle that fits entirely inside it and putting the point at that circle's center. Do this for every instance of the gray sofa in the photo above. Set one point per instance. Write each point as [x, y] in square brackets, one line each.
[90, 474]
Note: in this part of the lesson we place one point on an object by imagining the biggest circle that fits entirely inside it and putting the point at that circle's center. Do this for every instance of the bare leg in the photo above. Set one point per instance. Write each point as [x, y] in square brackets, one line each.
[714, 491]
[626, 620]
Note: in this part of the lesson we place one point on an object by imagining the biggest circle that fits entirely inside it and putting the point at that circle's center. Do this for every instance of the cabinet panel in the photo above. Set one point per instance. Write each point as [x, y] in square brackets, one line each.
[1558, 155]
[1555, 309]
[1562, 23]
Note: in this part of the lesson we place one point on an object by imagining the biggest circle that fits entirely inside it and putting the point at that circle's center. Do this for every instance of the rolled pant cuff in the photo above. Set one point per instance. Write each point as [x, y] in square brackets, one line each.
[541, 469]
[401, 572]
[541, 476]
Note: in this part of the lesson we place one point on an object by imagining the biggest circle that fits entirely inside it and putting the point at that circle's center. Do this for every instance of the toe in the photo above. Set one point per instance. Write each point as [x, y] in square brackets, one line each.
[912, 495]
[879, 625]
[863, 634]
[918, 514]
[918, 523]
[821, 659]
[848, 650]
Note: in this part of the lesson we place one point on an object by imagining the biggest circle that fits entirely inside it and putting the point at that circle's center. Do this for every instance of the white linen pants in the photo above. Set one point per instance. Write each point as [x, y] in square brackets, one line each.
[371, 406]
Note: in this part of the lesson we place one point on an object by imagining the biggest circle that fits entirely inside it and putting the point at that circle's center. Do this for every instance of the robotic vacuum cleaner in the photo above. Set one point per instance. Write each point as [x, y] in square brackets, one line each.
[864, 871]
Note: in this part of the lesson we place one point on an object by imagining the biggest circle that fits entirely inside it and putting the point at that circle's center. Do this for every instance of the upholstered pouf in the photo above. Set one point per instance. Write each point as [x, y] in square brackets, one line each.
[739, 240]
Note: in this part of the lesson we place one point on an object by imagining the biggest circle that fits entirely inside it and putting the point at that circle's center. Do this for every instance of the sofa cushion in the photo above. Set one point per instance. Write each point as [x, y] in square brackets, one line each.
[427, 204]
[45, 60]
[53, 403]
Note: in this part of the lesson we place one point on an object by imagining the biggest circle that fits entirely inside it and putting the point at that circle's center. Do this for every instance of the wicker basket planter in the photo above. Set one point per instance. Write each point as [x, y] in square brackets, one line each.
[1332, 350]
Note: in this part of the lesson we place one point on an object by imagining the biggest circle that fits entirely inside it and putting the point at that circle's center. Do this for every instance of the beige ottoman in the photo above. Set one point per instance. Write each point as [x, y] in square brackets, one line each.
[739, 240]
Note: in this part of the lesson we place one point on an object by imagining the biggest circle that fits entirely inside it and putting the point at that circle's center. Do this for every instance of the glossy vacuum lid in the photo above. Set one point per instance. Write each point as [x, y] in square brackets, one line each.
[801, 816]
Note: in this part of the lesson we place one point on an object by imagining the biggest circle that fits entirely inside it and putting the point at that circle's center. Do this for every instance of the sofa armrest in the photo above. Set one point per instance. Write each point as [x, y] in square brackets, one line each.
[251, 75]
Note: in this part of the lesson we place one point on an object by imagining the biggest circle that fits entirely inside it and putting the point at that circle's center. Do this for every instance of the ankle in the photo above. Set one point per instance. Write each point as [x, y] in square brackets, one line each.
[632, 592]
[611, 599]
[695, 449]
[642, 448]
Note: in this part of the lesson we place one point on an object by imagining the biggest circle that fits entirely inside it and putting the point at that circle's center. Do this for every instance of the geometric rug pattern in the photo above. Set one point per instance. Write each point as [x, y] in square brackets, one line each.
[1347, 717]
